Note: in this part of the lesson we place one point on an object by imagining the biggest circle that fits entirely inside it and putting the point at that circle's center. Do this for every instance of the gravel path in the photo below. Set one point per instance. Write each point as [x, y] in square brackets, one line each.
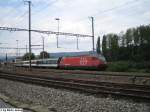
[56, 100]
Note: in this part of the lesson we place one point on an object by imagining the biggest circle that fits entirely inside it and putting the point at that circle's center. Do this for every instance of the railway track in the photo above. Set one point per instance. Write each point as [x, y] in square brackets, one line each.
[82, 72]
[92, 87]
[116, 77]
[90, 72]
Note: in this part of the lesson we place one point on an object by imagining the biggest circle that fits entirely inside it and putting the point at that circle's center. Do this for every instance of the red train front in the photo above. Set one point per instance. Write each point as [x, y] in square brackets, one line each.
[83, 62]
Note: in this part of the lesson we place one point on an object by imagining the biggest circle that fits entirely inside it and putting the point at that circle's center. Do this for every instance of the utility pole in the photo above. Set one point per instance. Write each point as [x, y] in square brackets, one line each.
[43, 47]
[17, 49]
[26, 49]
[92, 20]
[6, 58]
[57, 19]
[29, 4]
[77, 43]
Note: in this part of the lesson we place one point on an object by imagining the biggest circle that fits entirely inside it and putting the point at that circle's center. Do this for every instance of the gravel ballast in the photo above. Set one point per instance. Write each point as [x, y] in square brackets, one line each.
[6, 105]
[56, 100]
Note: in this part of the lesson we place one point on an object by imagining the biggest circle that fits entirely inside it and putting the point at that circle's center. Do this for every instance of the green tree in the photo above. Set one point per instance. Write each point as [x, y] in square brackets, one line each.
[128, 37]
[121, 37]
[113, 46]
[136, 36]
[133, 45]
[104, 45]
[26, 56]
[98, 46]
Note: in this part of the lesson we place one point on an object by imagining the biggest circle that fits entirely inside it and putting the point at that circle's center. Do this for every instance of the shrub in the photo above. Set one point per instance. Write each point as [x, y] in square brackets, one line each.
[118, 66]
[128, 66]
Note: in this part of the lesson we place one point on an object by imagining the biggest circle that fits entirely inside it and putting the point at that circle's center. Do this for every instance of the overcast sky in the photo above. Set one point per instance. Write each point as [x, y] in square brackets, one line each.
[111, 16]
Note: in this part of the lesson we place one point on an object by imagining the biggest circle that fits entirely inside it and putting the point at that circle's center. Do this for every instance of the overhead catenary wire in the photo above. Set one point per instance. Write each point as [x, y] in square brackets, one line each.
[20, 18]
[104, 12]
[116, 7]
[18, 48]
[110, 9]
[14, 8]
[45, 7]
[44, 32]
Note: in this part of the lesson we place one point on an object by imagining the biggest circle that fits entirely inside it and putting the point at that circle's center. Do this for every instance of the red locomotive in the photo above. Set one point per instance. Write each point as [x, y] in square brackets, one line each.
[74, 62]
[82, 62]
